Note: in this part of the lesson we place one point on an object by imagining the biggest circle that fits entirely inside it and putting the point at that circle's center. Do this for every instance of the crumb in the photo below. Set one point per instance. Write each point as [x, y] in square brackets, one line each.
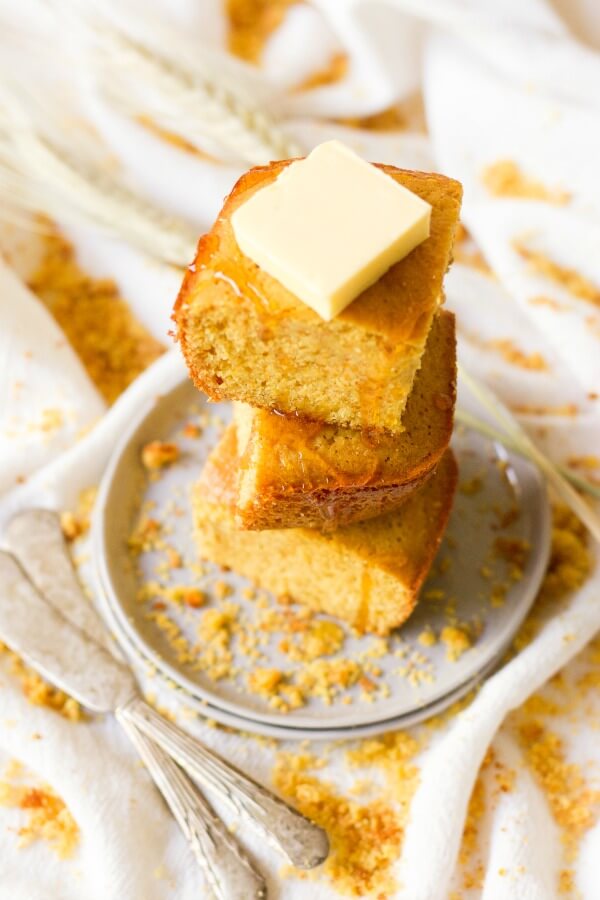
[506, 179]
[182, 595]
[457, 641]
[365, 838]
[191, 430]
[264, 681]
[39, 693]
[571, 280]
[250, 24]
[427, 637]
[48, 819]
[75, 524]
[112, 345]
[158, 454]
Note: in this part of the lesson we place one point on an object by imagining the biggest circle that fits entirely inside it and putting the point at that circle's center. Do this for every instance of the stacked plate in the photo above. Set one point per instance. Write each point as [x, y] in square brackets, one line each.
[485, 579]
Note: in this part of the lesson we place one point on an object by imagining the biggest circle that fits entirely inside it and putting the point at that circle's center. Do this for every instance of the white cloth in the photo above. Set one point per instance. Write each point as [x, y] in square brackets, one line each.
[500, 81]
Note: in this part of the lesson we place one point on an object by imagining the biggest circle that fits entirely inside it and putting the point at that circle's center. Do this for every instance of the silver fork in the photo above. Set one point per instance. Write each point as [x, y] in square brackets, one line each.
[35, 538]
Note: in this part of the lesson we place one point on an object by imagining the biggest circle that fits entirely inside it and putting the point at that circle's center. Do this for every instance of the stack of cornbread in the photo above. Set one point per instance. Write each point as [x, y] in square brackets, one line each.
[334, 483]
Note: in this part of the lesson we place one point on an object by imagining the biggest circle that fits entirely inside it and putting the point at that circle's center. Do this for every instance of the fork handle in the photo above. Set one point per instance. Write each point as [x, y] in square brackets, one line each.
[226, 867]
[304, 844]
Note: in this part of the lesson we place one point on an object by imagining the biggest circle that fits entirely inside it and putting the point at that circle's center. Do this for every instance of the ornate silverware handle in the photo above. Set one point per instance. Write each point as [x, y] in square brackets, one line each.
[228, 870]
[303, 843]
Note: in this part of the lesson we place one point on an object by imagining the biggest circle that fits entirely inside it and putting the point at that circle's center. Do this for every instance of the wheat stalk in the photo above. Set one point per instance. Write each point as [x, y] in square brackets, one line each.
[137, 77]
[44, 169]
[39, 174]
[495, 434]
[512, 434]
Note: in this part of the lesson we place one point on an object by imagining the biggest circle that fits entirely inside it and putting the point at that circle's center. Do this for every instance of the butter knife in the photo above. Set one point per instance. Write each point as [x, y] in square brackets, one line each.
[228, 870]
[107, 686]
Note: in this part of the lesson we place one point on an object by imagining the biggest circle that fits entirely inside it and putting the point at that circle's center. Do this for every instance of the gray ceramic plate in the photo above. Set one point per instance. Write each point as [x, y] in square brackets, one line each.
[284, 732]
[501, 496]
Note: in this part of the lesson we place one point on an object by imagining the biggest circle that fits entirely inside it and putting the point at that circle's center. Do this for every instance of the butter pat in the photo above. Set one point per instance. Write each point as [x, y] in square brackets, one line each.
[329, 226]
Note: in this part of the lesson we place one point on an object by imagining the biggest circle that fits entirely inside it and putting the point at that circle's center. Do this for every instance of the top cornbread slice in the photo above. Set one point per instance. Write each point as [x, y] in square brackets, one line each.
[245, 337]
[295, 473]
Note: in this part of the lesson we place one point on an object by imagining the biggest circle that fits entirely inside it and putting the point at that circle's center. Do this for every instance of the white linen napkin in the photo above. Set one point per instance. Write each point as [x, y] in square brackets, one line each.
[505, 83]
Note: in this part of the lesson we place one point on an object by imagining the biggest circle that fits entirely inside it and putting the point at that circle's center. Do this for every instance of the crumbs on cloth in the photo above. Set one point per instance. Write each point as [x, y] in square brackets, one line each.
[574, 282]
[366, 837]
[251, 23]
[573, 802]
[506, 179]
[110, 342]
[38, 692]
[47, 817]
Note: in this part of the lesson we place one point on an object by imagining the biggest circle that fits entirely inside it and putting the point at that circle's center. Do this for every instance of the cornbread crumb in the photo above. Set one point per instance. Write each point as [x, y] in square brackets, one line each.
[264, 681]
[457, 641]
[530, 409]
[71, 528]
[173, 138]
[39, 693]
[191, 430]
[572, 281]
[365, 839]
[112, 345]
[566, 881]
[571, 799]
[322, 638]
[394, 754]
[506, 179]
[221, 589]
[216, 622]
[473, 871]
[48, 819]
[393, 118]
[51, 420]
[570, 560]
[183, 595]
[251, 23]
[146, 535]
[75, 524]
[515, 551]
[533, 362]
[510, 352]
[549, 302]
[569, 566]
[427, 637]
[334, 70]
[157, 454]
[325, 678]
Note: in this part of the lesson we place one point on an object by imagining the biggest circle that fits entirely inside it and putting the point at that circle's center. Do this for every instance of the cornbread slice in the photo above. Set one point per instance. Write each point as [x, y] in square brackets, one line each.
[245, 337]
[368, 573]
[299, 473]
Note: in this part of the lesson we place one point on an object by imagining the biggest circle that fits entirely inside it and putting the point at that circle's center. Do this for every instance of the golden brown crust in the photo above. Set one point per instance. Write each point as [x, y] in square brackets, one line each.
[295, 473]
[373, 346]
[368, 573]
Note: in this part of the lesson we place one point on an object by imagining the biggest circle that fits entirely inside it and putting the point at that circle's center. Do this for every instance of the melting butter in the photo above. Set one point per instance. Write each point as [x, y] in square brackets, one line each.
[329, 226]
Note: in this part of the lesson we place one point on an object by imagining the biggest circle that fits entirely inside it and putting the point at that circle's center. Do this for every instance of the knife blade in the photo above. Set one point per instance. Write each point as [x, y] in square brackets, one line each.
[303, 843]
[59, 651]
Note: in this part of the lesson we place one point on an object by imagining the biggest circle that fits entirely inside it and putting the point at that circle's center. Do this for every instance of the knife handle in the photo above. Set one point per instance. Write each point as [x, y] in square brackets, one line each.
[304, 844]
[227, 869]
